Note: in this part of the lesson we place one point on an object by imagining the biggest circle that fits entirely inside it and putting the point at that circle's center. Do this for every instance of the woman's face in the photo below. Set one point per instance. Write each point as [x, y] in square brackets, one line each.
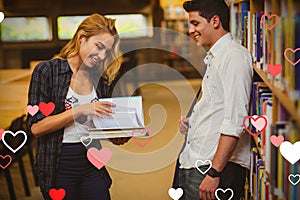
[94, 49]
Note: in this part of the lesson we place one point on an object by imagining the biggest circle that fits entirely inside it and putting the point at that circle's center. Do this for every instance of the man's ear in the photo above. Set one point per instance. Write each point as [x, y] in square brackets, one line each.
[216, 22]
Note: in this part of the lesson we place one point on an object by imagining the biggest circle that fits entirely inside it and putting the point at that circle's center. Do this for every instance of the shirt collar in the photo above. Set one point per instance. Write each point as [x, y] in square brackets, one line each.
[224, 40]
[65, 67]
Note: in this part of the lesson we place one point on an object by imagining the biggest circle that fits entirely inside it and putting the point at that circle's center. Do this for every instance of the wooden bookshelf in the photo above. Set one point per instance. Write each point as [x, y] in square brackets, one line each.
[266, 47]
[282, 97]
[239, 1]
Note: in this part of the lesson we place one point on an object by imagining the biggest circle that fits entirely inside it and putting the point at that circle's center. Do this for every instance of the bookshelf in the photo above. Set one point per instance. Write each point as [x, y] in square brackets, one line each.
[277, 97]
[282, 97]
[174, 38]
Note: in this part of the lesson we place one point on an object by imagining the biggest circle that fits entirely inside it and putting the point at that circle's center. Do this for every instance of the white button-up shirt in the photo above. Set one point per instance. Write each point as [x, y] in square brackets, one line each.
[226, 89]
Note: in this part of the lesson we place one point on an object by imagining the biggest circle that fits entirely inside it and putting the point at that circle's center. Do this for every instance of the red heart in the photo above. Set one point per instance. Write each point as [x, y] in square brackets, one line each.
[46, 109]
[255, 119]
[1, 133]
[274, 69]
[262, 19]
[57, 194]
[4, 157]
[143, 132]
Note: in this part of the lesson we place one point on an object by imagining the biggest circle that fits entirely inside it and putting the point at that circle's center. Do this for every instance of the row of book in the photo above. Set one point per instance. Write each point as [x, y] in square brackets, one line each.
[270, 171]
[268, 35]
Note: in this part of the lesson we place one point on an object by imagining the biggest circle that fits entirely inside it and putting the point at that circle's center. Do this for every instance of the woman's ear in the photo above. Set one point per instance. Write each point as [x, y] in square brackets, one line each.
[80, 35]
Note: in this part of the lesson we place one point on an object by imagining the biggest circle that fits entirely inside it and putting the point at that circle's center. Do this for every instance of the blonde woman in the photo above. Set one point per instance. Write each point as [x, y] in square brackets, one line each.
[73, 80]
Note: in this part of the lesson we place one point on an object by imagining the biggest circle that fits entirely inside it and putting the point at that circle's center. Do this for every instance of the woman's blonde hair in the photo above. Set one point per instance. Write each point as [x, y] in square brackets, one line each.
[93, 25]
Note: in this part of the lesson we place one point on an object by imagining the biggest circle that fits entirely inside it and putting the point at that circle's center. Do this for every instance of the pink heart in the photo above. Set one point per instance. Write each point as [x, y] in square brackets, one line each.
[57, 194]
[276, 140]
[274, 69]
[4, 157]
[143, 132]
[259, 122]
[46, 108]
[262, 19]
[294, 51]
[1, 133]
[99, 158]
[32, 110]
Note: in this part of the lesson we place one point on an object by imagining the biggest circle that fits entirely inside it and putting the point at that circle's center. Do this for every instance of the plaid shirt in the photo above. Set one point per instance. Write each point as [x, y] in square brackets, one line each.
[50, 82]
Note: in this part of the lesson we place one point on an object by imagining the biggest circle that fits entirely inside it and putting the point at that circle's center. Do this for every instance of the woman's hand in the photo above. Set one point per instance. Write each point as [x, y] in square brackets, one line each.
[183, 125]
[119, 141]
[98, 108]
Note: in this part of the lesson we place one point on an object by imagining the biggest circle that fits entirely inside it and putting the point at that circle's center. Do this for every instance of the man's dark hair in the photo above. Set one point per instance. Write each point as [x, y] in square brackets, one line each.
[209, 8]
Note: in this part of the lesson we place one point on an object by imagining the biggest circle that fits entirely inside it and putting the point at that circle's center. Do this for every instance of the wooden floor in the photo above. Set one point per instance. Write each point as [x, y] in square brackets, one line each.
[163, 104]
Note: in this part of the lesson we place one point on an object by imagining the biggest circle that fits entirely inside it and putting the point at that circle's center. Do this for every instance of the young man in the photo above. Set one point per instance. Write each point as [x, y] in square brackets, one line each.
[215, 129]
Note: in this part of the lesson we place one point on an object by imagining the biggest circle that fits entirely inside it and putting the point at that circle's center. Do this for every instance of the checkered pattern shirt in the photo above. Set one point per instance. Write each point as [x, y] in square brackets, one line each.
[49, 83]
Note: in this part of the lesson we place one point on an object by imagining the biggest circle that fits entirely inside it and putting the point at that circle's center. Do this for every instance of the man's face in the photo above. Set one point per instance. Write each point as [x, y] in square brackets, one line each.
[200, 30]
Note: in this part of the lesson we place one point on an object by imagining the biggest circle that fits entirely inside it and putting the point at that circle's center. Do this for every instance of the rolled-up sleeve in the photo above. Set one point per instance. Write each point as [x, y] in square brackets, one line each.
[39, 90]
[237, 80]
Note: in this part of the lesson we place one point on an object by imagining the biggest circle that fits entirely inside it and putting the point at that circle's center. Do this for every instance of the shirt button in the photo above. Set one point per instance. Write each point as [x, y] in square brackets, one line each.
[188, 142]
[190, 126]
[207, 76]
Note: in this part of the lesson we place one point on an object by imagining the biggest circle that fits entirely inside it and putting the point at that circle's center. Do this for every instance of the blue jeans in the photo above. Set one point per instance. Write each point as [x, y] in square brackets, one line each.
[233, 176]
[78, 177]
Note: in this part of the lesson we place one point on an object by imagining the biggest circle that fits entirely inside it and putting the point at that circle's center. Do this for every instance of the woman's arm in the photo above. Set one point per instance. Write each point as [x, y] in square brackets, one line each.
[55, 122]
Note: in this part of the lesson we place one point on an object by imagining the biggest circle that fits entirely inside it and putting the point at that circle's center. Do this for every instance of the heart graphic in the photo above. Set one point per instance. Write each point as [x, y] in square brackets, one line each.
[32, 110]
[142, 132]
[14, 150]
[1, 133]
[294, 51]
[274, 69]
[203, 162]
[224, 191]
[262, 19]
[99, 157]
[86, 140]
[291, 152]
[5, 158]
[259, 122]
[175, 194]
[276, 140]
[297, 177]
[57, 194]
[46, 108]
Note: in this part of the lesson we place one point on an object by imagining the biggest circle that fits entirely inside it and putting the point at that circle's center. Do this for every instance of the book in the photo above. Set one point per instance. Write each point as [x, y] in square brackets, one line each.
[127, 119]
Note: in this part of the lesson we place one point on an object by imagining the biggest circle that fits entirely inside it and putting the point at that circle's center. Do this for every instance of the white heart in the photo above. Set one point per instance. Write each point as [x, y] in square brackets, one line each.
[291, 152]
[203, 162]
[294, 176]
[83, 140]
[224, 191]
[175, 194]
[14, 134]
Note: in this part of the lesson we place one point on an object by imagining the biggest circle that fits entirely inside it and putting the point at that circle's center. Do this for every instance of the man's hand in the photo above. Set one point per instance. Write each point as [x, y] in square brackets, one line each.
[119, 141]
[183, 125]
[208, 187]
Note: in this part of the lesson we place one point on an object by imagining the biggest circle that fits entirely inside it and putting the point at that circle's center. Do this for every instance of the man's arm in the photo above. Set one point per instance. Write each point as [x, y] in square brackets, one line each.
[224, 151]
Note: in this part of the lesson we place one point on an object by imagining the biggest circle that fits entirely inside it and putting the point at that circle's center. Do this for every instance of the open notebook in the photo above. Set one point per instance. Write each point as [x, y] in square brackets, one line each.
[127, 120]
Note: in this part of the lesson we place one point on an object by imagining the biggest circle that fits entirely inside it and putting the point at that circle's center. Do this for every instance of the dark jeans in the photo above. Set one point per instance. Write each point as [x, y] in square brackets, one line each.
[80, 179]
[233, 176]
